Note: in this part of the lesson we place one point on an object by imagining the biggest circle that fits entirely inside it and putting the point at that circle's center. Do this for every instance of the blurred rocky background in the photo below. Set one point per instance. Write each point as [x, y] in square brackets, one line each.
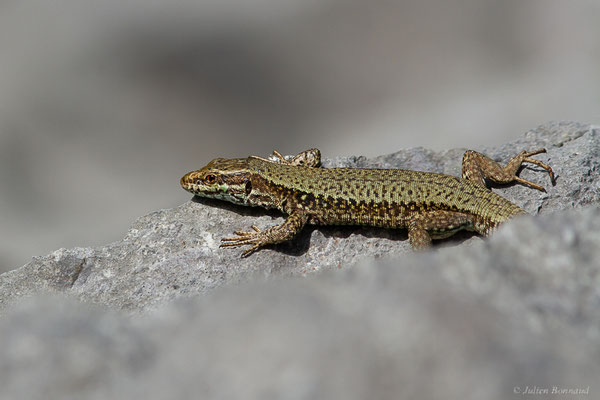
[337, 313]
[104, 105]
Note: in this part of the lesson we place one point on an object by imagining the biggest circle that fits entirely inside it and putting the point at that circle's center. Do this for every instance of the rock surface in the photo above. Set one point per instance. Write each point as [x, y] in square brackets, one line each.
[338, 313]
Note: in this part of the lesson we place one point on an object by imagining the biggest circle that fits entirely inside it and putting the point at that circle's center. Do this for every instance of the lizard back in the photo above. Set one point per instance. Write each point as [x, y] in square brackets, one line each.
[377, 197]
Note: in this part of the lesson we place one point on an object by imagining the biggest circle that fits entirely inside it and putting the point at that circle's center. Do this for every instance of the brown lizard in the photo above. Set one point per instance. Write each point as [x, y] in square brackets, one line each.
[430, 205]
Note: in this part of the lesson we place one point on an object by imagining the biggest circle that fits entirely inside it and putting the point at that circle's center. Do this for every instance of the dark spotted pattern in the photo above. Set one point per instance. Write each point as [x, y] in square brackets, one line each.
[378, 197]
[430, 205]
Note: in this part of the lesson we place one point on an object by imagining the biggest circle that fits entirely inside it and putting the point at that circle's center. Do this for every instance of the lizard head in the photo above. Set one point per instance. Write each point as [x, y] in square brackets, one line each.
[224, 179]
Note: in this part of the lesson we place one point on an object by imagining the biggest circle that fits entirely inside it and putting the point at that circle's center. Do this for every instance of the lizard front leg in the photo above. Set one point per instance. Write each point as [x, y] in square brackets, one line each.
[275, 234]
[476, 167]
[307, 158]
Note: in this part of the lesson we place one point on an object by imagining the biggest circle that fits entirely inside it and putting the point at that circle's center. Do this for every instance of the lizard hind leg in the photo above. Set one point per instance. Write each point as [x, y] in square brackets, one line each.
[437, 224]
[477, 166]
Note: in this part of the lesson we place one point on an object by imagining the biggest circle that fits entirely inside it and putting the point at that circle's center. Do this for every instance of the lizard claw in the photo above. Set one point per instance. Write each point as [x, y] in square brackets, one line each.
[256, 228]
[251, 250]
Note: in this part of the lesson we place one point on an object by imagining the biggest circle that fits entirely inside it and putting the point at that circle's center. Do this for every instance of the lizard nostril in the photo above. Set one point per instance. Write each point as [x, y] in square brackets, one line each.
[184, 181]
[188, 180]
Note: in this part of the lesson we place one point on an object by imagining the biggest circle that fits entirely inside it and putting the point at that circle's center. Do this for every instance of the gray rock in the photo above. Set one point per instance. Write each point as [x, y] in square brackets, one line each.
[170, 253]
[472, 319]
[379, 330]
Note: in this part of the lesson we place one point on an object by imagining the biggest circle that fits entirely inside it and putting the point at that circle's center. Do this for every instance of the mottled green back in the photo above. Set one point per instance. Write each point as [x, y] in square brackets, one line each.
[380, 197]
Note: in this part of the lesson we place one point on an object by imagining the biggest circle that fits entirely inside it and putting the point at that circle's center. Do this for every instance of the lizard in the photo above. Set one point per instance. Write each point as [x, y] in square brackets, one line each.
[429, 205]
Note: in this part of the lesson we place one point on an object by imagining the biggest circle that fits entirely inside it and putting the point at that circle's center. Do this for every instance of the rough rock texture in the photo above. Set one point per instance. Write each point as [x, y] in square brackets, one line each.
[472, 319]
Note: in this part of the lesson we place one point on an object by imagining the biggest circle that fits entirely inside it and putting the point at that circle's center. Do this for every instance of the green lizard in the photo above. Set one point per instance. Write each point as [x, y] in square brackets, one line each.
[429, 205]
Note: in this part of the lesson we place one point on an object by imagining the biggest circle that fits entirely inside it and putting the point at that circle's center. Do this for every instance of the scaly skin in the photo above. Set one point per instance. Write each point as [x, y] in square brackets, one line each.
[429, 205]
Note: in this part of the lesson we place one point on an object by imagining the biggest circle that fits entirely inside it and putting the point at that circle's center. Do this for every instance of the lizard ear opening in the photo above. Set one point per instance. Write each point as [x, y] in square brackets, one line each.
[248, 187]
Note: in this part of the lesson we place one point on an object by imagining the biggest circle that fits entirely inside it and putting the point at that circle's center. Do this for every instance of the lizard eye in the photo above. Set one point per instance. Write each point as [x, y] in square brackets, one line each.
[210, 179]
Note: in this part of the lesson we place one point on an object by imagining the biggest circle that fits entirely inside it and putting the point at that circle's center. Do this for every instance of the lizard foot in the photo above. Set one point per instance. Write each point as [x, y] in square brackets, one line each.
[257, 239]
